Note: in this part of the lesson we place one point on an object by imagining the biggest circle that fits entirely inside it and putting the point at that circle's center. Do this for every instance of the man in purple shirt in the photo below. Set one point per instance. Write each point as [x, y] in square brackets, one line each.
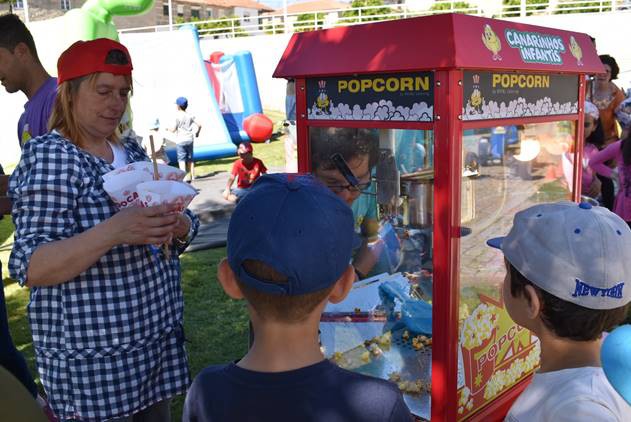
[21, 70]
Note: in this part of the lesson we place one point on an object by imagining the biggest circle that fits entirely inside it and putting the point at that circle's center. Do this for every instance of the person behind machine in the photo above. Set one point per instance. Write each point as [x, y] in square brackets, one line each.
[607, 97]
[343, 160]
[567, 280]
[289, 247]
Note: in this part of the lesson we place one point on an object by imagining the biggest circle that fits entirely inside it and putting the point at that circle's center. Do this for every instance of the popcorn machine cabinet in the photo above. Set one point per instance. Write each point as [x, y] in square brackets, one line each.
[473, 119]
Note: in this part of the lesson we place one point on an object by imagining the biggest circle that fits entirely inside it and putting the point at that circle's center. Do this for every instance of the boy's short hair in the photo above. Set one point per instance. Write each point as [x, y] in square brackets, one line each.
[565, 319]
[578, 257]
[290, 309]
[289, 240]
[348, 142]
[13, 31]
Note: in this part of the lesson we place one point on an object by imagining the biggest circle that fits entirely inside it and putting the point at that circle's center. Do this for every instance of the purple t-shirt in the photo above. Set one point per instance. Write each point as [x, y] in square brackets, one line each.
[37, 111]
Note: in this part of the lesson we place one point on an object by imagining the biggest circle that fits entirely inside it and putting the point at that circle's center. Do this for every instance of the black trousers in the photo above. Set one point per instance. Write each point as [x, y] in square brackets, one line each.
[10, 358]
[606, 190]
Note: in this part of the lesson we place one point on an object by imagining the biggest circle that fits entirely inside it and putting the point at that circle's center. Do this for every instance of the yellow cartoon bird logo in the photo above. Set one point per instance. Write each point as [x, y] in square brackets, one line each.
[476, 99]
[322, 101]
[576, 51]
[492, 42]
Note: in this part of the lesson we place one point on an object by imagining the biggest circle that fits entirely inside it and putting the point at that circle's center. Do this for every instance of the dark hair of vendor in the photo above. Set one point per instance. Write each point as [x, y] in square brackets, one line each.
[566, 319]
[348, 142]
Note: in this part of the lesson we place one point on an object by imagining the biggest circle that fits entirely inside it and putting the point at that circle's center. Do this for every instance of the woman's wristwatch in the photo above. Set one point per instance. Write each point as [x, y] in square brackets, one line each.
[182, 241]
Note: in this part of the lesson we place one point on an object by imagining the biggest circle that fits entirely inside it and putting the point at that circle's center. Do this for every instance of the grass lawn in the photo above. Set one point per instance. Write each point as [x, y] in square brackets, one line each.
[217, 327]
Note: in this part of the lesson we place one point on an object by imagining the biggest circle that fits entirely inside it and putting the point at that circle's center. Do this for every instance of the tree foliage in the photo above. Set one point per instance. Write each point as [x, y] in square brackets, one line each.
[513, 7]
[460, 6]
[308, 22]
[586, 7]
[216, 27]
[351, 16]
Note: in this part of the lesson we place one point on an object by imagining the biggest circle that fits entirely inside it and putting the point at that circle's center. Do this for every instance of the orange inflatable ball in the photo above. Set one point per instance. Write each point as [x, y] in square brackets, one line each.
[258, 126]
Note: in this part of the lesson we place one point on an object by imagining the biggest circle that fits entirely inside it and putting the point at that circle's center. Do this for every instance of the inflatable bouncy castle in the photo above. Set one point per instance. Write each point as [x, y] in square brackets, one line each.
[234, 82]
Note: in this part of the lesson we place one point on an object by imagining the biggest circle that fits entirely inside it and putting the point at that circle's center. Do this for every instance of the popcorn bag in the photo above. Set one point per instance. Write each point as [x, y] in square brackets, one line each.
[477, 338]
[160, 192]
[165, 172]
[122, 187]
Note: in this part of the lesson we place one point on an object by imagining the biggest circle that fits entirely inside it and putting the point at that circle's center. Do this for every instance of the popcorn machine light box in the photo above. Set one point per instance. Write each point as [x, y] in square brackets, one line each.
[482, 118]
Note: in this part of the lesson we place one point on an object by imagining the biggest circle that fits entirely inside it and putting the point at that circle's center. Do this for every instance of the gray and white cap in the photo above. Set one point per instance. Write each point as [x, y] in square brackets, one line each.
[576, 252]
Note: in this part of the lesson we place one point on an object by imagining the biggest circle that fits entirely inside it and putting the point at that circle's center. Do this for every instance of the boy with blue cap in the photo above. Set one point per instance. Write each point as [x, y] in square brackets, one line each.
[289, 249]
[568, 268]
[186, 129]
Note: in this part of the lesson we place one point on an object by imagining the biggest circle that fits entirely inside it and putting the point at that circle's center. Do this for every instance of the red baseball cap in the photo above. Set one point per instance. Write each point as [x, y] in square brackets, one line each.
[86, 57]
[247, 147]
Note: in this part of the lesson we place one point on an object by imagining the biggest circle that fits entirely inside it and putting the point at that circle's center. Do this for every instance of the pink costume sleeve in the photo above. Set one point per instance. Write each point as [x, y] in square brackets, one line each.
[597, 162]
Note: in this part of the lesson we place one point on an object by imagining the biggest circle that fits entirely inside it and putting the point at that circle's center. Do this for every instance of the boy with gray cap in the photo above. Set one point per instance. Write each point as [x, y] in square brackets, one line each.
[568, 268]
[289, 248]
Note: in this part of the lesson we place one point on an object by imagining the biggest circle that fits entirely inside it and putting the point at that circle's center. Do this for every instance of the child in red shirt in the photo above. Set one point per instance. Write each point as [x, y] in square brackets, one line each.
[246, 169]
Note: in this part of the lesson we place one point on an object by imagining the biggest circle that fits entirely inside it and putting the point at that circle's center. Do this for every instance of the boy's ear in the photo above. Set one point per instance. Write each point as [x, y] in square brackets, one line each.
[343, 285]
[228, 280]
[534, 302]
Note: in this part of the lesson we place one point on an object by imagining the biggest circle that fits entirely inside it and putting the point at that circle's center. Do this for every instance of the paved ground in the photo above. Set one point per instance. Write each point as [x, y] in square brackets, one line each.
[213, 211]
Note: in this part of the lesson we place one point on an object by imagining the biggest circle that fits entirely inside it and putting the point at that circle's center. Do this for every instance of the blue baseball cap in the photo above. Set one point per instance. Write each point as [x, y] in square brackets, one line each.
[297, 226]
[182, 102]
[577, 252]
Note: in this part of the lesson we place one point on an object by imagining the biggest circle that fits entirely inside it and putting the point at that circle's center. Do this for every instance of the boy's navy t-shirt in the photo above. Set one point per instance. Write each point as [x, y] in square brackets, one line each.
[320, 393]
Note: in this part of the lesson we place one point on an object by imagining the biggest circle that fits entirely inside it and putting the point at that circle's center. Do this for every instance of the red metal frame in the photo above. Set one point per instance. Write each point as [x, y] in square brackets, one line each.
[479, 124]
[578, 142]
[448, 65]
[392, 124]
[302, 131]
[447, 156]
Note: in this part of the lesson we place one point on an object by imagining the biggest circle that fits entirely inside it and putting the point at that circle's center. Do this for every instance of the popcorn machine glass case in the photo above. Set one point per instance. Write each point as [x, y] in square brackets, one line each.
[435, 152]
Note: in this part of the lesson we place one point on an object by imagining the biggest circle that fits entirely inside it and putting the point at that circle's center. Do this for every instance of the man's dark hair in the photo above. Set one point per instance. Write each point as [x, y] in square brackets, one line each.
[13, 31]
[566, 319]
[608, 60]
[348, 142]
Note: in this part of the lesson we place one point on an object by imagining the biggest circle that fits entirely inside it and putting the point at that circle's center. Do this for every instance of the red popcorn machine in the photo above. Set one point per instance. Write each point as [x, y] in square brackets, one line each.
[458, 122]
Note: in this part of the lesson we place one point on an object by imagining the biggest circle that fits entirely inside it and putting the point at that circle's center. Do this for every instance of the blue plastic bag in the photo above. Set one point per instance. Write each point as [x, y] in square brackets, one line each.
[416, 314]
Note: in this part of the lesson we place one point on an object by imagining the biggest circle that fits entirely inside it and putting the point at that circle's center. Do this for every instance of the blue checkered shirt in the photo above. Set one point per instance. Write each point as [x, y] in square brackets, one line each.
[108, 342]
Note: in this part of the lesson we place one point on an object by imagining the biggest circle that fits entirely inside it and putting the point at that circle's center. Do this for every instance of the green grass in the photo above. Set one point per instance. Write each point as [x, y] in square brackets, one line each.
[216, 326]
[272, 154]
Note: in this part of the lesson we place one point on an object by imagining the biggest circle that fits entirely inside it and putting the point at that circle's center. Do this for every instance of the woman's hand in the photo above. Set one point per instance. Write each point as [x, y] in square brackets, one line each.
[142, 226]
[182, 226]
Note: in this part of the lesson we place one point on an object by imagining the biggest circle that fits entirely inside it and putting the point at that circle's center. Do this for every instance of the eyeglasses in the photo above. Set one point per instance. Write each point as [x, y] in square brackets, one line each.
[360, 187]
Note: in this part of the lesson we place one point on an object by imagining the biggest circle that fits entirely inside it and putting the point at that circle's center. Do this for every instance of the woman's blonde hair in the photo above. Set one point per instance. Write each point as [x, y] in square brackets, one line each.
[62, 117]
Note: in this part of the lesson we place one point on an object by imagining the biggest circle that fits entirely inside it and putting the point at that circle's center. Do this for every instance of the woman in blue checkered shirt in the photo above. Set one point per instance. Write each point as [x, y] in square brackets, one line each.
[105, 309]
